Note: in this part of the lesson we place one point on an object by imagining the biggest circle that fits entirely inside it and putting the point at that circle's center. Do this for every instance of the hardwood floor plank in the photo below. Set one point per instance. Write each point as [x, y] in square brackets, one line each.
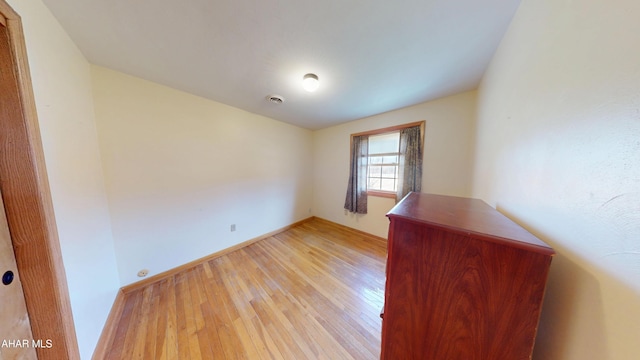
[181, 318]
[318, 298]
[202, 334]
[143, 324]
[313, 291]
[171, 336]
[130, 337]
[321, 307]
[241, 298]
[324, 281]
[289, 342]
[208, 338]
[350, 279]
[122, 328]
[262, 343]
[191, 307]
[225, 315]
[161, 293]
[210, 335]
[149, 342]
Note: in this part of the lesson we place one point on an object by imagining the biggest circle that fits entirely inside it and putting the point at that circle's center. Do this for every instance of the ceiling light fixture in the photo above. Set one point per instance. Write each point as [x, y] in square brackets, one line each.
[310, 82]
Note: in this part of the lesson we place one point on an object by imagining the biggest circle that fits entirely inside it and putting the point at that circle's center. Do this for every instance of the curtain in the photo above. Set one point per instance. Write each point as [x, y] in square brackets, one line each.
[356, 200]
[410, 161]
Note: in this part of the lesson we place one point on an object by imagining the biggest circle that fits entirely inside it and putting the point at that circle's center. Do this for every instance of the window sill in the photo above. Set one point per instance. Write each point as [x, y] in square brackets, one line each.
[378, 193]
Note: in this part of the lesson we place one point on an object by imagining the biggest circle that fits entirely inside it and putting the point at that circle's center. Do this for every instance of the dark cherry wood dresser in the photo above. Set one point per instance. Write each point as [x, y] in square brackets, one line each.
[463, 282]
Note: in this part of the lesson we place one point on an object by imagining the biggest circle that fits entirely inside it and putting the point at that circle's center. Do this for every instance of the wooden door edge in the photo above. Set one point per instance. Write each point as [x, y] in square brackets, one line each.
[30, 213]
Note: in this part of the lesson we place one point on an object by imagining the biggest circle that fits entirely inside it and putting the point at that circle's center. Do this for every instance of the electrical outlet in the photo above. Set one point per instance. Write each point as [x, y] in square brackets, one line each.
[233, 227]
[143, 273]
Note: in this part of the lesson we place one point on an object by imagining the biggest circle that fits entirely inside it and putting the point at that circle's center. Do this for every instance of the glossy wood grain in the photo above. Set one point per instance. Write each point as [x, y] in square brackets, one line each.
[465, 215]
[456, 294]
[311, 292]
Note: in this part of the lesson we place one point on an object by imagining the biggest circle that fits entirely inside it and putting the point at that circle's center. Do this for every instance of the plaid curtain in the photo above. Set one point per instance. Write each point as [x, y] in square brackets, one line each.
[410, 162]
[356, 200]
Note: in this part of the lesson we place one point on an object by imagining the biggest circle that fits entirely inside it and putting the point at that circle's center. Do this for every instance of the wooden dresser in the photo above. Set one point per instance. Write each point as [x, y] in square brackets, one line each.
[463, 282]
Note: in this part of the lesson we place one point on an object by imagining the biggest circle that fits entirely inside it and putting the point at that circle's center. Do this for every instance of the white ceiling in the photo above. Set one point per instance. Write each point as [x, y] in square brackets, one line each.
[371, 56]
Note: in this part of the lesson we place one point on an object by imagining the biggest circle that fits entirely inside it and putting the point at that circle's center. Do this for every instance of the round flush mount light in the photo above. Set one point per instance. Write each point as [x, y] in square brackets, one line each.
[310, 82]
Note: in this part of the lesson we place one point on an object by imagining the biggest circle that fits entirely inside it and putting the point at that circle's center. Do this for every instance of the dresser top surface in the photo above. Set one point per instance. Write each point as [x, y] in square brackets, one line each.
[466, 215]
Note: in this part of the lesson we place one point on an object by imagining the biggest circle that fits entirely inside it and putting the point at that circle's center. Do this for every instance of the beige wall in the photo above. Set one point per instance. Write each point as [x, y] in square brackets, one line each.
[447, 158]
[558, 150]
[62, 89]
[181, 169]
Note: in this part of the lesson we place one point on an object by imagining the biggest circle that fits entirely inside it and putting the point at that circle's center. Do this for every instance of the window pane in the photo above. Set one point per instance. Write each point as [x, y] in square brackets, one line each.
[390, 159]
[388, 185]
[383, 169]
[384, 143]
[375, 159]
[374, 184]
[388, 171]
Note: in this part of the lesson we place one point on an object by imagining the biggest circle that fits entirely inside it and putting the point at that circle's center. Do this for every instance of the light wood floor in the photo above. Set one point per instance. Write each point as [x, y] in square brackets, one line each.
[312, 292]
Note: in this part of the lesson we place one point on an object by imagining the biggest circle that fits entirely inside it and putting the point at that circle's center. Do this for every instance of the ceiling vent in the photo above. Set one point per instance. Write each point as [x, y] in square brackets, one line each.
[276, 99]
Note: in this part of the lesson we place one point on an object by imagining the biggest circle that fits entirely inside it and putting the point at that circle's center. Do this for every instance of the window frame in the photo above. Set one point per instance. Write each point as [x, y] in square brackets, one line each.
[390, 129]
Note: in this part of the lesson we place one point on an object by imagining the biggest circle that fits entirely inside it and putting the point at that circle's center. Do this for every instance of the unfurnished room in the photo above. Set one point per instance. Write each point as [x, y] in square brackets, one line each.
[215, 179]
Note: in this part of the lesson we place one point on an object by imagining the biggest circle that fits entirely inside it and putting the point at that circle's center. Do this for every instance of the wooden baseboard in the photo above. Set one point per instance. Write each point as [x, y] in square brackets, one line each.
[171, 272]
[345, 227]
[109, 330]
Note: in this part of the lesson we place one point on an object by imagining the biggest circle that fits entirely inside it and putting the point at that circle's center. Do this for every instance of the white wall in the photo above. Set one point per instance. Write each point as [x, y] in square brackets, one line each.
[62, 88]
[181, 169]
[558, 150]
[446, 163]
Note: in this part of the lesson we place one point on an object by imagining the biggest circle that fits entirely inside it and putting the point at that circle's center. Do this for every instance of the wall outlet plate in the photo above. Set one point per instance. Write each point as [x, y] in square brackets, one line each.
[143, 273]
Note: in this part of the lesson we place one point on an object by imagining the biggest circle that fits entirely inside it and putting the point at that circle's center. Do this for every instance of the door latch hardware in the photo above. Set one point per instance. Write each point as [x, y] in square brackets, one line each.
[7, 278]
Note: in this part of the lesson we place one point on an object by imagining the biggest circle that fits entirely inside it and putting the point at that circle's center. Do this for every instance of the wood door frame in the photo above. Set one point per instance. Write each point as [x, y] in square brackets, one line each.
[28, 205]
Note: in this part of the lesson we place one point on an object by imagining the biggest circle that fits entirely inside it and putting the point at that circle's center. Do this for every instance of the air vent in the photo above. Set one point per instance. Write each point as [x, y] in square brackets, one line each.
[276, 99]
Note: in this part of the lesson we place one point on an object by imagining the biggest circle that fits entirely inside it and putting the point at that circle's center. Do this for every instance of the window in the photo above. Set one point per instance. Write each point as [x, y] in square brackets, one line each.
[383, 161]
